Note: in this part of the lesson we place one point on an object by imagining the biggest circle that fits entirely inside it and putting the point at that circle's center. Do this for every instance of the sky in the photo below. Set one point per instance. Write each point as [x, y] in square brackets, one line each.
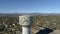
[29, 6]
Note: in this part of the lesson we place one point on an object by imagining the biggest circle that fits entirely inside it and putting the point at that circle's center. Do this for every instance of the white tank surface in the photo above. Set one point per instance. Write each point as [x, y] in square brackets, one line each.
[25, 20]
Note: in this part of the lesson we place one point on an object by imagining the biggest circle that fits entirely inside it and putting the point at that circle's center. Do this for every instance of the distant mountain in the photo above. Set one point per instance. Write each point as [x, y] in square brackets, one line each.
[30, 14]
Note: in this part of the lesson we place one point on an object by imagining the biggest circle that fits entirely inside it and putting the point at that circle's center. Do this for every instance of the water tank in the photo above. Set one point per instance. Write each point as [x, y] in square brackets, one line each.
[25, 20]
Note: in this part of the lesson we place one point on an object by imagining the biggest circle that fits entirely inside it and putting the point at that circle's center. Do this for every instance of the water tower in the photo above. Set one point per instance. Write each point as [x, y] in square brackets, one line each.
[25, 21]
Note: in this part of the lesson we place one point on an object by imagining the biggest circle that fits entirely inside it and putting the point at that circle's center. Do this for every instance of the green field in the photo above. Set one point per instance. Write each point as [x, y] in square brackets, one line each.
[52, 22]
